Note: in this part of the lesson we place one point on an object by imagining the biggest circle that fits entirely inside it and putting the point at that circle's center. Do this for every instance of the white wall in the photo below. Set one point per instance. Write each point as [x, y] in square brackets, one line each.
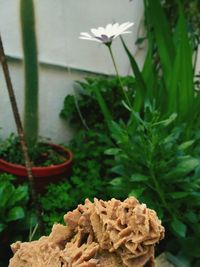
[58, 25]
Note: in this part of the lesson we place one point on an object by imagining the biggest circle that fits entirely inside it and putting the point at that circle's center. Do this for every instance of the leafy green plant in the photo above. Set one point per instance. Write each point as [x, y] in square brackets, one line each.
[10, 150]
[91, 166]
[167, 77]
[89, 178]
[157, 165]
[13, 201]
[40, 155]
[77, 109]
[90, 173]
[55, 202]
[16, 215]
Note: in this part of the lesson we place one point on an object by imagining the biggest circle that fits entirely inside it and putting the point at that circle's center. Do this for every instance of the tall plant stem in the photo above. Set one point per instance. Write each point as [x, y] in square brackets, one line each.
[118, 76]
[29, 44]
[20, 131]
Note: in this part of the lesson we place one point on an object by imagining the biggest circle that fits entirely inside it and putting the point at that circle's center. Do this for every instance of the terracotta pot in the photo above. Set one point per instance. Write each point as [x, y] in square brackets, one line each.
[42, 175]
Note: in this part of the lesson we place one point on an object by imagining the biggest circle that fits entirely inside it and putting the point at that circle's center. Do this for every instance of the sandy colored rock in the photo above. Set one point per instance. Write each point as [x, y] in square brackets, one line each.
[100, 234]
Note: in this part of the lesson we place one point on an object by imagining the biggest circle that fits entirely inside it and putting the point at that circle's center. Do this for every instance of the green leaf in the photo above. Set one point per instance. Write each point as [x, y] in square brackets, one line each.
[116, 181]
[103, 106]
[186, 145]
[141, 86]
[14, 214]
[179, 195]
[119, 169]
[186, 166]
[168, 121]
[2, 227]
[68, 106]
[20, 194]
[118, 133]
[192, 217]
[163, 36]
[148, 71]
[6, 190]
[181, 83]
[136, 192]
[179, 227]
[112, 151]
[137, 177]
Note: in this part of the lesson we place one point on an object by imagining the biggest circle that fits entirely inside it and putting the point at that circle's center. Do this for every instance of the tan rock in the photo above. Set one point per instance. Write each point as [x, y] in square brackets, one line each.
[100, 234]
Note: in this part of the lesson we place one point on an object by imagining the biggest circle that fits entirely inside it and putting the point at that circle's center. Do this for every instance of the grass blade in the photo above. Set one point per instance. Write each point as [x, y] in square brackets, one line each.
[163, 36]
[141, 86]
[182, 85]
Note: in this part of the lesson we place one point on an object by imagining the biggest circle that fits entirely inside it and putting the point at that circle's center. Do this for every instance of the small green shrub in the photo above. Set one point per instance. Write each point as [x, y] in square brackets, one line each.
[17, 218]
[13, 201]
[89, 179]
[83, 110]
[91, 167]
[40, 155]
[159, 166]
[55, 202]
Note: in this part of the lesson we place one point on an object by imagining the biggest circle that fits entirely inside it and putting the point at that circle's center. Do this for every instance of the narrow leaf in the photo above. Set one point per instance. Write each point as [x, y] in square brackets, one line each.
[163, 36]
[137, 177]
[136, 192]
[141, 86]
[179, 227]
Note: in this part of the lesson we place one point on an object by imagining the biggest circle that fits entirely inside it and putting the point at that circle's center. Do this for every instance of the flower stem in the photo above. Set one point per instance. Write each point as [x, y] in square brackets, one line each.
[118, 76]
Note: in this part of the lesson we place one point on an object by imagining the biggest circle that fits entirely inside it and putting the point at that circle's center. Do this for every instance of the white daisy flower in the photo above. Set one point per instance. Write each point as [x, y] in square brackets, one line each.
[107, 34]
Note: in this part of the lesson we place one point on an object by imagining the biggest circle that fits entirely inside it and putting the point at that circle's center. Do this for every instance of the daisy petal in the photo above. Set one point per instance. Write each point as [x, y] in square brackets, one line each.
[107, 34]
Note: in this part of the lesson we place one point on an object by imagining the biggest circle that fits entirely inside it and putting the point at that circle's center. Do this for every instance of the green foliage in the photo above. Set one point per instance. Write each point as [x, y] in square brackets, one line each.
[77, 109]
[55, 203]
[91, 167]
[156, 164]
[10, 150]
[17, 217]
[89, 179]
[167, 78]
[30, 71]
[13, 201]
[40, 154]
[191, 9]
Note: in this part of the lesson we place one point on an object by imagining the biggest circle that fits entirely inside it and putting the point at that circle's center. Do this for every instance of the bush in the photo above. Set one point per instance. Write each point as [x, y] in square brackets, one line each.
[159, 166]
[13, 201]
[16, 219]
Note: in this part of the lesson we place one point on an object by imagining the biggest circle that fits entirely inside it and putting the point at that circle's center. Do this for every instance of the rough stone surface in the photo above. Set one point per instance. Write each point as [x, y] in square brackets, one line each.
[99, 234]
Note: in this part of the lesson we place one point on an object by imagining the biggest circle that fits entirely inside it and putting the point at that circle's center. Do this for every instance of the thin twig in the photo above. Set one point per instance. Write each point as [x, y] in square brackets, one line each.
[20, 132]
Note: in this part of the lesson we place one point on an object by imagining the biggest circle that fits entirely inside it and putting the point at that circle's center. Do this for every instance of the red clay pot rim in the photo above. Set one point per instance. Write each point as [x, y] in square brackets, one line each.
[38, 168]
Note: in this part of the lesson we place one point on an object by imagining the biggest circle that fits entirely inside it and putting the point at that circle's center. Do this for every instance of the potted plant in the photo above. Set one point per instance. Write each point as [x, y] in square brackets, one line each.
[40, 153]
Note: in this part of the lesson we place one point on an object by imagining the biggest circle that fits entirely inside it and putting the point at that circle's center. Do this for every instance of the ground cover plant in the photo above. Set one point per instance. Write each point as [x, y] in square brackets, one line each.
[16, 220]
